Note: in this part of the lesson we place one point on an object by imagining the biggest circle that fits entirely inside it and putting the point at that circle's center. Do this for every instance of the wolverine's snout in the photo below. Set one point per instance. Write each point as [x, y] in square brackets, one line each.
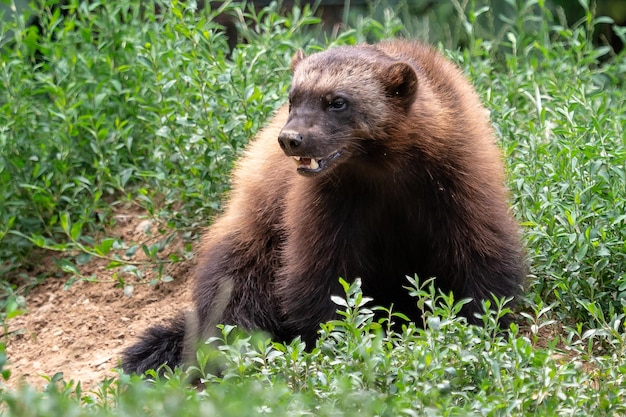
[289, 141]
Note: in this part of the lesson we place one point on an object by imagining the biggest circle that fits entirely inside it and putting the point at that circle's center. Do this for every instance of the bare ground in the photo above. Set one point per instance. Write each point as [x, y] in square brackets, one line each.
[81, 331]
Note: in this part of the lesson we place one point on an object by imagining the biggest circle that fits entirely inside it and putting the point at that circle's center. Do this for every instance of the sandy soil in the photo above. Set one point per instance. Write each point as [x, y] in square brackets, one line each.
[82, 330]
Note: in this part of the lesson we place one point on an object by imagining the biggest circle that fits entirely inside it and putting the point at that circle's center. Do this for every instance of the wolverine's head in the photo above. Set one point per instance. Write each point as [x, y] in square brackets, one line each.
[341, 102]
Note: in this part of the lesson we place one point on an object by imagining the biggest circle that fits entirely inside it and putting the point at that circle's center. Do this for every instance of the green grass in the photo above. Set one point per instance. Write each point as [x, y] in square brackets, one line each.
[115, 105]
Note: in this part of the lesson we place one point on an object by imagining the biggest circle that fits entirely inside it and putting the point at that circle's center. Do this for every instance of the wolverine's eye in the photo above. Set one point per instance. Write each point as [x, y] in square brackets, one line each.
[337, 104]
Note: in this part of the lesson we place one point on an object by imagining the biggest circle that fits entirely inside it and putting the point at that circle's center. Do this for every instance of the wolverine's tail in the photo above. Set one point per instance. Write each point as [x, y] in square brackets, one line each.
[159, 345]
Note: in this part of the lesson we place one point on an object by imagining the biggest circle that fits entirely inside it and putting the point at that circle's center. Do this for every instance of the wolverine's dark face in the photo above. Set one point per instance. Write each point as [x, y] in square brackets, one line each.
[339, 103]
[319, 128]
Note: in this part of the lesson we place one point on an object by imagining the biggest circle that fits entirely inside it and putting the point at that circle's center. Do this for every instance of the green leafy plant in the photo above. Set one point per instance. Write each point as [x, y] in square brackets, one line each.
[94, 118]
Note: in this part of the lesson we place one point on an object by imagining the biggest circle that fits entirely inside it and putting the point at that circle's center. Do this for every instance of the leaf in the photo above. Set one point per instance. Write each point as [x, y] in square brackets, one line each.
[129, 290]
[104, 247]
[339, 301]
[38, 240]
[76, 231]
[67, 266]
[114, 264]
[130, 252]
[55, 378]
[64, 219]
[83, 258]
[345, 285]
[12, 313]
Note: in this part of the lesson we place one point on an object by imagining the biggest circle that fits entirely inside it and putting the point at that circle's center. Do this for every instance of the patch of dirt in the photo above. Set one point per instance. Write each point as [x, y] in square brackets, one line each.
[82, 331]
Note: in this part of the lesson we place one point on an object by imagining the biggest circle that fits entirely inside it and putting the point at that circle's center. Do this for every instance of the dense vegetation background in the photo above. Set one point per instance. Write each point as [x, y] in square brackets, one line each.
[105, 105]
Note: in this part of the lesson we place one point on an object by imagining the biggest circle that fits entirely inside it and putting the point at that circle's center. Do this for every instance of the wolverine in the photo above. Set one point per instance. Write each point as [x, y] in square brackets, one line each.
[383, 165]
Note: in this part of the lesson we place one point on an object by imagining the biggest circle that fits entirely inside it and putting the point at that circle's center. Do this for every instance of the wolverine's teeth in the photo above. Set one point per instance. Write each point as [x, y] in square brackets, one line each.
[307, 163]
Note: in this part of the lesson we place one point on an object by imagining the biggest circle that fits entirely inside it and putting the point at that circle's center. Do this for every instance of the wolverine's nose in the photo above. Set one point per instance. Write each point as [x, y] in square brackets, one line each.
[289, 141]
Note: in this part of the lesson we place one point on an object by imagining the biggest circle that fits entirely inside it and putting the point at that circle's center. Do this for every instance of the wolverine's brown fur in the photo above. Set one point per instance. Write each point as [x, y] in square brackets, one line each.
[400, 176]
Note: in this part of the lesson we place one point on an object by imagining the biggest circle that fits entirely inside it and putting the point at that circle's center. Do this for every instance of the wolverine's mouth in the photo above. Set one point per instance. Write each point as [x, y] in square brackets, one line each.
[312, 166]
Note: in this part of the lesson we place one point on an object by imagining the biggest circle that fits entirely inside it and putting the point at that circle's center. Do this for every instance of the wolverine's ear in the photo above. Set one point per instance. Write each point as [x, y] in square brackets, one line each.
[297, 57]
[401, 82]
